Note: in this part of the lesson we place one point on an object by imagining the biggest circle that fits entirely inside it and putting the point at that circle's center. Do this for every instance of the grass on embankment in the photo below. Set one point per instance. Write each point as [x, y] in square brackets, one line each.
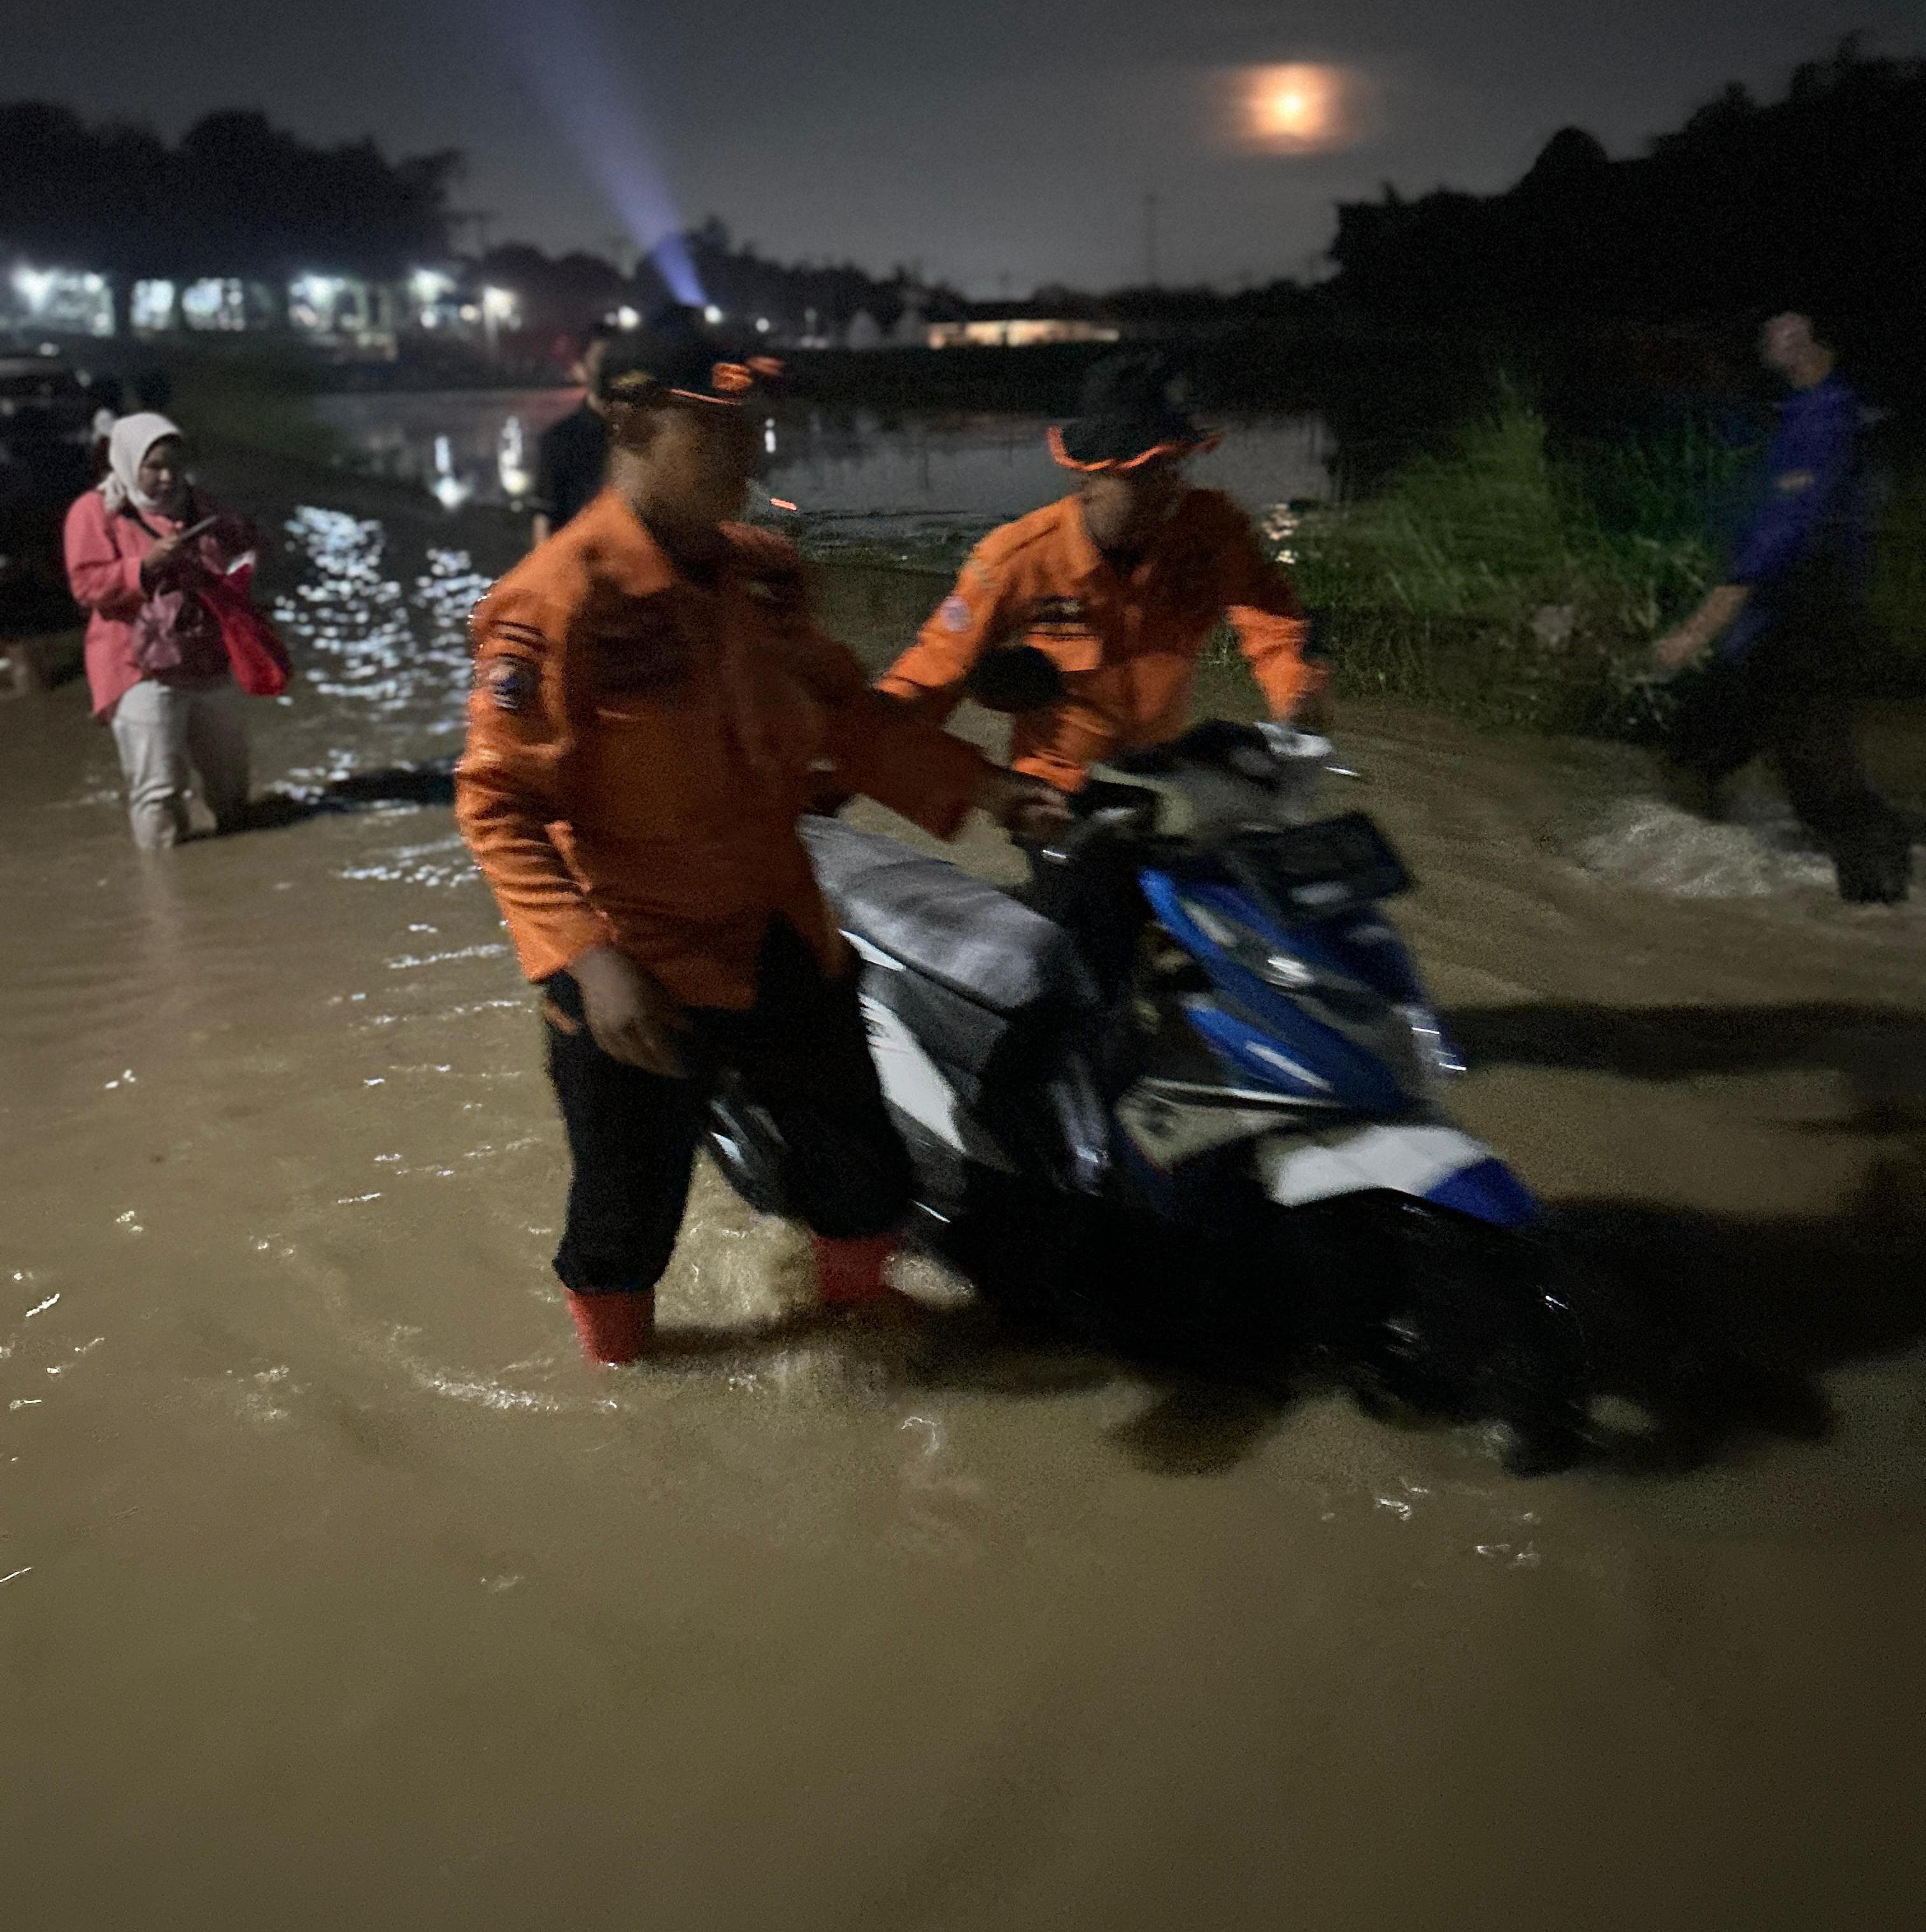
[1514, 585]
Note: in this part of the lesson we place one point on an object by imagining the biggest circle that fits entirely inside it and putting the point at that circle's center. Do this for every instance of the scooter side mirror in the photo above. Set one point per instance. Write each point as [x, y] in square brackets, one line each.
[1018, 678]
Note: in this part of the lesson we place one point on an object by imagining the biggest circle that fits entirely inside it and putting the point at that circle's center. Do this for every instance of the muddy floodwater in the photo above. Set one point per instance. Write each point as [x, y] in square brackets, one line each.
[336, 1590]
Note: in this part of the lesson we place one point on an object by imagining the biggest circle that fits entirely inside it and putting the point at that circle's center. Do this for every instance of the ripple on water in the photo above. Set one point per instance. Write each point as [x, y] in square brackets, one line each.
[442, 864]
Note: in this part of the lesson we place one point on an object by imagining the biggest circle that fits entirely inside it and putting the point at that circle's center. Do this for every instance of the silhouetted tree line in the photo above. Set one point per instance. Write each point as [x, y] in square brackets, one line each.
[745, 282]
[1816, 200]
[564, 293]
[235, 196]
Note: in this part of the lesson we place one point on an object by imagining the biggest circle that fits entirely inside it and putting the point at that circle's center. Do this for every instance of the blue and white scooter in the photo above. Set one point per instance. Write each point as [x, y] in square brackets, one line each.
[1199, 1035]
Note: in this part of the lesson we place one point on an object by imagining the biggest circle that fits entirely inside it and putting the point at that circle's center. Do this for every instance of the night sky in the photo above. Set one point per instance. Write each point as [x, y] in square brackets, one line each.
[1001, 143]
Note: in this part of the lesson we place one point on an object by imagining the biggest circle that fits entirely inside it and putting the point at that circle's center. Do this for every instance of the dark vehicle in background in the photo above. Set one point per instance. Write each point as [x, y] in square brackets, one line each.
[46, 414]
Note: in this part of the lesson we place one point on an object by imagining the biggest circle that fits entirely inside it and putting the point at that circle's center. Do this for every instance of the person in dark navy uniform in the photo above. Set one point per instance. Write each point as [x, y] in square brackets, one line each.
[1793, 628]
[572, 461]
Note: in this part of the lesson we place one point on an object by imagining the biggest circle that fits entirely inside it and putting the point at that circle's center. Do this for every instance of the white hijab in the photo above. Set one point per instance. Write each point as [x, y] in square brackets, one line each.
[132, 437]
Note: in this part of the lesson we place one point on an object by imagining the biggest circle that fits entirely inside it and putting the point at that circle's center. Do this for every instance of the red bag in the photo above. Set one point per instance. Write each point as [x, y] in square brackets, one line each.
[254, 649]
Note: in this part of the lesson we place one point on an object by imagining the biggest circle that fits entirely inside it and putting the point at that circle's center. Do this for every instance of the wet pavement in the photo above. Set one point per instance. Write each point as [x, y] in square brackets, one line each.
[334, 1589]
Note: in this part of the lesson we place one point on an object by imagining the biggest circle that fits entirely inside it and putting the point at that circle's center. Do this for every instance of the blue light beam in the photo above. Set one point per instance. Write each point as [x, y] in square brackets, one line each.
[559, 54]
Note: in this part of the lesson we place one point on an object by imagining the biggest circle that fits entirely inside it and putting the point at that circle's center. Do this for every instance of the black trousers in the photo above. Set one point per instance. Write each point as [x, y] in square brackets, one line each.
[800, 1054]
[1792, 697]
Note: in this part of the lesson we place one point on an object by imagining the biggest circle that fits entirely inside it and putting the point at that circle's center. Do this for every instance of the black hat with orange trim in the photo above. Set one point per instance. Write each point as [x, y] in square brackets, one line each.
[678, 354]
[1128, 415]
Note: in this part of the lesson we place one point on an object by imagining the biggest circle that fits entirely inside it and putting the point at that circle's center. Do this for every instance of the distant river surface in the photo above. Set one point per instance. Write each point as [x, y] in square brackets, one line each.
[854, 475]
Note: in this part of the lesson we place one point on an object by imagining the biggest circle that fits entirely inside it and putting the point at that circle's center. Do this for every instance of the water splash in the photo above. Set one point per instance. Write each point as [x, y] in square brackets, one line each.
[1646, 842]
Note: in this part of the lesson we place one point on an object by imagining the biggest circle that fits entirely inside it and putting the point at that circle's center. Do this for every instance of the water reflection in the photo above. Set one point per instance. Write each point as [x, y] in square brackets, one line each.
[854, 475]
[457, 446]
[399, 658]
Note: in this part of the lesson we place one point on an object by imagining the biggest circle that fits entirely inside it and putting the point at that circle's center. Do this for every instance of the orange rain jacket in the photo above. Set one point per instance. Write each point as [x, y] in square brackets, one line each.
[640, 747]
[1128, 648]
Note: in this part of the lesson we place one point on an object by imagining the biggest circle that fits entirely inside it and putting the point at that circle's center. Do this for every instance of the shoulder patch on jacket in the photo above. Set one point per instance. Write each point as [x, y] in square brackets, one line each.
[510, 680]
[955, 615]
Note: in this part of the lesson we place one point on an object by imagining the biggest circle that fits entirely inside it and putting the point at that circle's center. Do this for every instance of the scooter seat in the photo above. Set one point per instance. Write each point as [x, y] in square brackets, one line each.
[940, 922]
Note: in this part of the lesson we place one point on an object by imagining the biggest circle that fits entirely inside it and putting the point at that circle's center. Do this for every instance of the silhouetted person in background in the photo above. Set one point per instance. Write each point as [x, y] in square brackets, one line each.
[1793, 627]
[110, 400]
[573, 454]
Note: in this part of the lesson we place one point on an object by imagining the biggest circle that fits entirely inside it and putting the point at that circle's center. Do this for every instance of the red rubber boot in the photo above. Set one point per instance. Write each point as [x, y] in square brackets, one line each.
[614, 1328]
[849, 1274]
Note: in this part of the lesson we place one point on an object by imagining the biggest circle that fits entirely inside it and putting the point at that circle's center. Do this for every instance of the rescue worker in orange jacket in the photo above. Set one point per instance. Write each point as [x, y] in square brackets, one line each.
[651, 708]
[1120, 584]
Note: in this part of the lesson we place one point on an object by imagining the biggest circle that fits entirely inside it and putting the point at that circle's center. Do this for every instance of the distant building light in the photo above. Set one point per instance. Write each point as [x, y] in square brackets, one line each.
[499, 305]
[68, 301]
[428, 285]
[626, 317]
[1016, 332]
[215, 304]
[316, 303]
[762, 324]
[151, 306]
[469, 312]
[711, 315]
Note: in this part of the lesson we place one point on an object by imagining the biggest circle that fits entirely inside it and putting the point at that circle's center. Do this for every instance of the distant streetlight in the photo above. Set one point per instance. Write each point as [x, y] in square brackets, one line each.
[711, 315]
[762, 324]
[498, 307]
[430, 288]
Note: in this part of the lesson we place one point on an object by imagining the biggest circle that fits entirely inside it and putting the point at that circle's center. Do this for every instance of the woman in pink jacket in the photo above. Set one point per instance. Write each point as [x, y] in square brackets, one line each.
[156, 664]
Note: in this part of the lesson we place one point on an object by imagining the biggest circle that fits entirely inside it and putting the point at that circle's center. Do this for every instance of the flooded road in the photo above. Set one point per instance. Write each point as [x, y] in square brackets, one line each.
[337, 1590]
